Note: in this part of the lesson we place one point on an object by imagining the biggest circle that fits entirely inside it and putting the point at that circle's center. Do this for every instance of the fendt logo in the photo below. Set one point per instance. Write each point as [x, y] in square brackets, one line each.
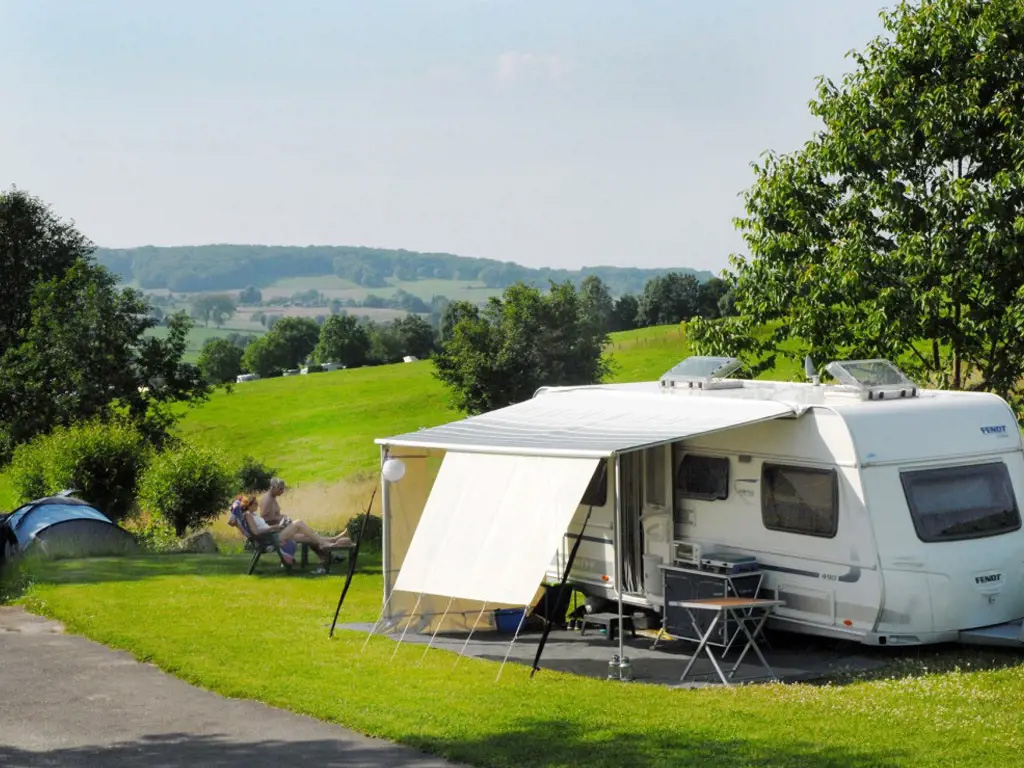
[994, 430]
[988, 578]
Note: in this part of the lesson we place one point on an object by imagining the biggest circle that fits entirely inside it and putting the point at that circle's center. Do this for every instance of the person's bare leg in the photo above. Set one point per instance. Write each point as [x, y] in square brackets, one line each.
[299, 528]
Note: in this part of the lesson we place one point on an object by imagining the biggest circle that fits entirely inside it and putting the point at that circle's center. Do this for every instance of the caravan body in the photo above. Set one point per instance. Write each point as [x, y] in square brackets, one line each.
[875, 521]
[876, 512]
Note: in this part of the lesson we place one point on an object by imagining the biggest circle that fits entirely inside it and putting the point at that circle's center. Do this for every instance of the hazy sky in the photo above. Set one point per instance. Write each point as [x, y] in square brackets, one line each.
[548, 133]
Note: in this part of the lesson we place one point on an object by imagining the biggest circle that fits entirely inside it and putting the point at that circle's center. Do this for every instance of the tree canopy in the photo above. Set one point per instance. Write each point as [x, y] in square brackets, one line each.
[897, 231]
[343, 339]
[72, 345]
[521, 341]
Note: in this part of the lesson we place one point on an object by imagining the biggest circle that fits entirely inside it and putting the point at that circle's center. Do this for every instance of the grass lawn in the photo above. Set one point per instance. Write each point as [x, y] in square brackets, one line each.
[204, 621]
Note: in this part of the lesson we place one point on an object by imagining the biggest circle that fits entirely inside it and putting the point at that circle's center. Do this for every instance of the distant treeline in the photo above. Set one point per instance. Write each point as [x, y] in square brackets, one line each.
[223, 267]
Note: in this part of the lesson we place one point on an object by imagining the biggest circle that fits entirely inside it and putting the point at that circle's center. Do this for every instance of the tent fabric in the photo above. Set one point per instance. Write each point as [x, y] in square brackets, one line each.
[492, 524]
[592, 422]
[27, 526]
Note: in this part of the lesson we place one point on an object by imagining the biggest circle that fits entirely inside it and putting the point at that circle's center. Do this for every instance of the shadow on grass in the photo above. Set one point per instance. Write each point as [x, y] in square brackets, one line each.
[142, 567]
[535, 742]
[177, 749]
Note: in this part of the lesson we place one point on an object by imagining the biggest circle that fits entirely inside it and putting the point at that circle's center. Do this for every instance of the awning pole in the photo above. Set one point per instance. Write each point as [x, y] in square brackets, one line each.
[514, 637]
[466, 644]
[353, 555]
[618, 545]
[385, 518]
[438, 627]
[407, 624]
[565, 579]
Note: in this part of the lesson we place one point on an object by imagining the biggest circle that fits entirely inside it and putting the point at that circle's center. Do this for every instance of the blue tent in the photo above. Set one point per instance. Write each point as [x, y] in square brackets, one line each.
[60, 526]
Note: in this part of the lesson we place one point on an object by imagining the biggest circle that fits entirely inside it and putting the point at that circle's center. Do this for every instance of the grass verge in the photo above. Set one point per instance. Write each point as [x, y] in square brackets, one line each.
[205, 619]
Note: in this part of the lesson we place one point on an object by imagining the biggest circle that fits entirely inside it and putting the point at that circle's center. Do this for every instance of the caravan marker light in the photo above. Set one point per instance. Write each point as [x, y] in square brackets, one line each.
[393, 470]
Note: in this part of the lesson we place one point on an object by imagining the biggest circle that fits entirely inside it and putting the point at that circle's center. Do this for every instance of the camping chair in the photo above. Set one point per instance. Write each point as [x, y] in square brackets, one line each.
[261, 543]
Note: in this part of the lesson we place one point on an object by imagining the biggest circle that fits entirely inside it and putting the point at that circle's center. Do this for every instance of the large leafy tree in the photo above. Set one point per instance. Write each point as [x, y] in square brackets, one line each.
[298, 337]
[596, 302]
[523, 340]
[898, 230]
[73, 346]
[220, 360]
[669, 299]
[343, 339]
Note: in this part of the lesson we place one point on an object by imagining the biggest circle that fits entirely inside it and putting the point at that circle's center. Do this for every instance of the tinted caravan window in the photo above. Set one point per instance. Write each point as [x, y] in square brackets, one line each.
[954, 503]
[597, 491]
[800, 500]
[703, 477]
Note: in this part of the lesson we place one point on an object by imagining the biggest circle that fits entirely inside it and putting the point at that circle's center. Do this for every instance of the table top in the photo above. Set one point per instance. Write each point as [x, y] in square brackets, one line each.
[726, 603]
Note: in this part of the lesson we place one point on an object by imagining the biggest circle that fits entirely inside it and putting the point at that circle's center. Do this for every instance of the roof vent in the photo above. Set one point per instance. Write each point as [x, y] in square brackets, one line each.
[699, 372]
[876, 379]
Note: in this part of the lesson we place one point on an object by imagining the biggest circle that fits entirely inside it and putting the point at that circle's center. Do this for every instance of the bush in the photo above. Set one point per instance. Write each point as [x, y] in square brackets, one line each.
[373, 539]
[152, 531]
[188, 486]
[102, 462]
[253, 475]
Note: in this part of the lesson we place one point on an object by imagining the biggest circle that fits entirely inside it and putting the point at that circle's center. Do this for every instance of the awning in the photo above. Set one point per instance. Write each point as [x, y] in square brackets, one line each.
[594, 422]
[492, 524]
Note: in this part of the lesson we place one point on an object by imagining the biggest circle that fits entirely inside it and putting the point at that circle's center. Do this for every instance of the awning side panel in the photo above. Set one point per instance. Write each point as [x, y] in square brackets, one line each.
[492, 524]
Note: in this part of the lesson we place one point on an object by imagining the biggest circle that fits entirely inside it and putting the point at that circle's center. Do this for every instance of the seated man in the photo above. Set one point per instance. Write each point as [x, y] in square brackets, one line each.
[270, 511]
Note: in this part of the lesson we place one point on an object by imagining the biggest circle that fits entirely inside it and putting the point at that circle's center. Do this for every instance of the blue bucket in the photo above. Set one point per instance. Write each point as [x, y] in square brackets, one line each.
[508, 619]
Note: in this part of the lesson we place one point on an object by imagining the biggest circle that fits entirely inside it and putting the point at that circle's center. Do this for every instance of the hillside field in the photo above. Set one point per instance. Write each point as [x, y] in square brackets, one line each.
[319, 429]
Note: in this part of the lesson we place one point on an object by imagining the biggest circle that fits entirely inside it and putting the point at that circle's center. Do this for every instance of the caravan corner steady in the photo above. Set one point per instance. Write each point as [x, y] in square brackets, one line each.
[877, 512]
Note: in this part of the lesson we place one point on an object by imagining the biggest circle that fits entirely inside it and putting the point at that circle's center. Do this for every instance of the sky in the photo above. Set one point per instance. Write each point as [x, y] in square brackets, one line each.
[558, 134]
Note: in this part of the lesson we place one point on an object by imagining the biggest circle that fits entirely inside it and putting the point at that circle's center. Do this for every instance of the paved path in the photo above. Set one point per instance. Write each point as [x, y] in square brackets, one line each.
[67, 701]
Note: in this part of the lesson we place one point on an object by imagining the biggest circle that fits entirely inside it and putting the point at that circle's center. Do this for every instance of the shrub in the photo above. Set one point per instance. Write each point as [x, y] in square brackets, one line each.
[253, 475]
[188, 485]
[152, 531]
[374, 537]
[101, 461]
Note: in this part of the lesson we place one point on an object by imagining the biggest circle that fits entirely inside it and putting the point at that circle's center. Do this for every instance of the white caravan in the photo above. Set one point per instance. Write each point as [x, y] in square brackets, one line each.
[877, 512]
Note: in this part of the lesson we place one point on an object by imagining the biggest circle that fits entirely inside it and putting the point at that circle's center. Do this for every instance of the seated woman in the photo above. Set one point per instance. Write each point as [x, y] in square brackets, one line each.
[295, 530]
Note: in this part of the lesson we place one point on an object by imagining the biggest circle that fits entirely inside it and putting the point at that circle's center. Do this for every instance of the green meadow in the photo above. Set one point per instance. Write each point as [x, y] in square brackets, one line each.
[320, 428]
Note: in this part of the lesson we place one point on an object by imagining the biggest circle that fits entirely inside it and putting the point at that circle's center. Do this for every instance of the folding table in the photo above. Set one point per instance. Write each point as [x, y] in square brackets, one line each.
[750, 615]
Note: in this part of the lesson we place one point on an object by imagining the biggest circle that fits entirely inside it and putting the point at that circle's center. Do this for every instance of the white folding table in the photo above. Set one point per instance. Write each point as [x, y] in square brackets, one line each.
[750, 615]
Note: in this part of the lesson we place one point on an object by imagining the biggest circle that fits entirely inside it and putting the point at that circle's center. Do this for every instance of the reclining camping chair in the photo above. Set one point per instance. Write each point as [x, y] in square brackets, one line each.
[267, 541]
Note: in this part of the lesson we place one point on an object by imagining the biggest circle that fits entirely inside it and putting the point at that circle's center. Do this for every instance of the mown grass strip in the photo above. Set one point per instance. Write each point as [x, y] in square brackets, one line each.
[265, 637]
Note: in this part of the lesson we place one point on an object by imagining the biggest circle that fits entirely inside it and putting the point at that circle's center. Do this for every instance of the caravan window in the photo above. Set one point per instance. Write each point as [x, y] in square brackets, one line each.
[597, 491]
[703, 477]
[800, 500]
[954, 503]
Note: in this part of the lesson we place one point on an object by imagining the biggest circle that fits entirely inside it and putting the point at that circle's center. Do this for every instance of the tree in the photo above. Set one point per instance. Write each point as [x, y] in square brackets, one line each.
[298, 337]
[220, 361]
[625, 316]
[343, 339]
[217, 307]
[415, 335]
[385, 344]
[35, 246]
[452, 314]
[519, 342]
[709, 294]
[596, 302]
[265, 356]
[250, 295]
[896, 231]
[75, 346]
[668, 299]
